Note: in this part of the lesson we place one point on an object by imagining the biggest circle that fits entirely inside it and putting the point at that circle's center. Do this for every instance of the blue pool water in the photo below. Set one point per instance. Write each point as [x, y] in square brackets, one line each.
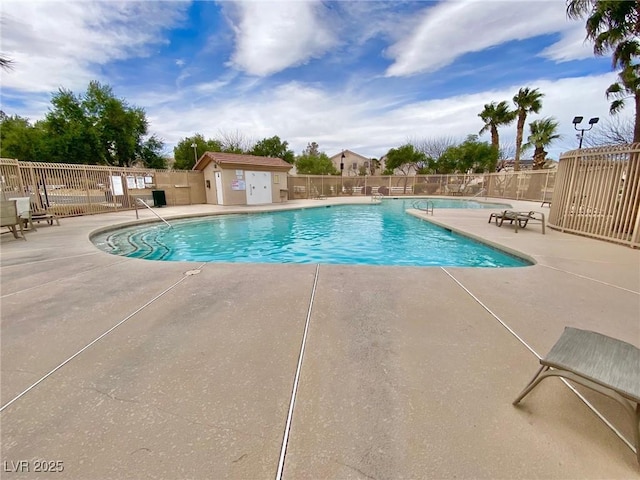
[373, 234]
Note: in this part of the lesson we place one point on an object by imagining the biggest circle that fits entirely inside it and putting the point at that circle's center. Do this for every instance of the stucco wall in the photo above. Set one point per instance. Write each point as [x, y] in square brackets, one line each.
[237, 174]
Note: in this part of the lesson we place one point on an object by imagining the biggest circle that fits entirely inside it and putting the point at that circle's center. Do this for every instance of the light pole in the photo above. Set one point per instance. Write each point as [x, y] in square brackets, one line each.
[577, 120]
[342, 173]
[195, 151]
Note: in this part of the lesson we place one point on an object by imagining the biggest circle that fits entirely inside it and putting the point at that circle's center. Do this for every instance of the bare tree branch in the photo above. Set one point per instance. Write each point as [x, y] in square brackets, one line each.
[433, 147]
[612, 131]
[235, 141]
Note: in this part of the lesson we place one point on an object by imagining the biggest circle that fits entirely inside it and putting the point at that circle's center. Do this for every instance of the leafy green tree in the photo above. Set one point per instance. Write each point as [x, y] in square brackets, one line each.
[494, 115]
[70, 135]
[120, 127]
[527, 101]
[312, 150]
[275, 148]
[319, 164]
[613, 26]
[543, 133]
[404, 159]
[184, 155]
[151, 153]
[19, 139]
[94, 128]
[470, 155]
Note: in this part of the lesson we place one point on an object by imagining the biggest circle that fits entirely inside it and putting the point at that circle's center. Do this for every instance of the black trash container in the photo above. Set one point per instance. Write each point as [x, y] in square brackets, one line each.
[159, 198]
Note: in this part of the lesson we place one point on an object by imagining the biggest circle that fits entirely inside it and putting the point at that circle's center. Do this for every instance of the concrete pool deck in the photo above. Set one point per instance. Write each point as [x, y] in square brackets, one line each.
[407, 372]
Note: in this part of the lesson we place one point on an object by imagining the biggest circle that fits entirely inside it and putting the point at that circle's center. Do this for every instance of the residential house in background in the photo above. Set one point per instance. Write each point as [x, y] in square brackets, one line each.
[525, 164]
[354, 164]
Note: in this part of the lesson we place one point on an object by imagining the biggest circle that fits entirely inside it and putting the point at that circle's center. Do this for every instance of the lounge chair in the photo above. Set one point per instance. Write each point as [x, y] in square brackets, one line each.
[317, 195]
[9, 217]
[38, 214]
[598, 362]
[454, 189]
[519, 219]
[23, 205]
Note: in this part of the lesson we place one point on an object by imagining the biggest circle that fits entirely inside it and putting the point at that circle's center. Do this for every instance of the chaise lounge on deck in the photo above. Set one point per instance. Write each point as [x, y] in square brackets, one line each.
[10, 218]
[39, 214]
[519, 219]
[601, 363]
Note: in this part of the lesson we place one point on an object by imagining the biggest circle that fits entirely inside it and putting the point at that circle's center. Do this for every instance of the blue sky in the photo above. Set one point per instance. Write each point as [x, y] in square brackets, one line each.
[360, 75]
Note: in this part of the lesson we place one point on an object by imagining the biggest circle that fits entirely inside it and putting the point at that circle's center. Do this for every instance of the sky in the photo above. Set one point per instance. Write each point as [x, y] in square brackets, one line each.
[360, 75]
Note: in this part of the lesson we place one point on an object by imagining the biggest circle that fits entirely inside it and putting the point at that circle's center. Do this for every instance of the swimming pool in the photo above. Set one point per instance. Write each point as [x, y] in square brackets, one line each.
[380, 234]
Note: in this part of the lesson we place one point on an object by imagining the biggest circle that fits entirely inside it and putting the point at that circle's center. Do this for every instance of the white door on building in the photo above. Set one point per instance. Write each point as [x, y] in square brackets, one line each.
[258, 187]
[219, 197]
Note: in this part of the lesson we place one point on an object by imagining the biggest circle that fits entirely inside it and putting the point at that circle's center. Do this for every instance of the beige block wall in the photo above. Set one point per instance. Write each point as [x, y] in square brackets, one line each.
[181, 187]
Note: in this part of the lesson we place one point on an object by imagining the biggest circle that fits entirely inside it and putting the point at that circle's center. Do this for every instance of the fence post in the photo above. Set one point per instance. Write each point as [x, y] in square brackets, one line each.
[20, 182]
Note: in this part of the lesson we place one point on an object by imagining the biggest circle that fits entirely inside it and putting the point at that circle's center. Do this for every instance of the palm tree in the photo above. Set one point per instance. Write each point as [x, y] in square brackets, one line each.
[493, 116]
[543, 133]
[5, 62]
[527, 101]
[627, 87]
[613, 27]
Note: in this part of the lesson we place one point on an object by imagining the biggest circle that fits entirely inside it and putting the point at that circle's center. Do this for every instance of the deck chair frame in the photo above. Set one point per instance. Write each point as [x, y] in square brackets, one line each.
[9, 218]
[518, 219]
[579, 355]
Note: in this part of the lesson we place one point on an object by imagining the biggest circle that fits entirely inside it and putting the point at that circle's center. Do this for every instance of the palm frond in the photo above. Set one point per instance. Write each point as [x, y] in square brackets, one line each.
[616, 106]
[6, 63]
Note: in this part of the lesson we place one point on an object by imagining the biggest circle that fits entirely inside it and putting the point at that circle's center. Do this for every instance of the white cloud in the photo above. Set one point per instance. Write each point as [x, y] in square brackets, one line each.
[272, 36]
[451, 29]
[572, 46]
[62, 43]
[365, 123]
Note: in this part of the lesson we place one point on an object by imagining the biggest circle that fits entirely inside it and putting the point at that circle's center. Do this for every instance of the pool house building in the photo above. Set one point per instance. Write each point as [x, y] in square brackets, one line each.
[233, 179]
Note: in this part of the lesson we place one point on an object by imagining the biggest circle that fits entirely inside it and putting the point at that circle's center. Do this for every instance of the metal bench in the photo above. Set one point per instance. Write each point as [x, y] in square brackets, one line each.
[598, 362]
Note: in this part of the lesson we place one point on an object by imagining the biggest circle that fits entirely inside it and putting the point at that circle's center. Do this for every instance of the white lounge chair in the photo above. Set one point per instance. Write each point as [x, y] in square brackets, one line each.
[23, 205]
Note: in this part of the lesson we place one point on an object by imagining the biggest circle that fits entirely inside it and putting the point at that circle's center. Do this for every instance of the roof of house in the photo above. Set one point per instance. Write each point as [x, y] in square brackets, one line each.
[350, 152]
[234, 159]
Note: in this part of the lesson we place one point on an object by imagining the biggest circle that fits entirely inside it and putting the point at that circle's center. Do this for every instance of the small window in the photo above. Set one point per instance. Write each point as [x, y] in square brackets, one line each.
[355, 166]
[366, 164]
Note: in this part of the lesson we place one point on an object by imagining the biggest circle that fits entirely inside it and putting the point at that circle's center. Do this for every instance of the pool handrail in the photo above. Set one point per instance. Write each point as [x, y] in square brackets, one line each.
[424, 205]
[151, 210]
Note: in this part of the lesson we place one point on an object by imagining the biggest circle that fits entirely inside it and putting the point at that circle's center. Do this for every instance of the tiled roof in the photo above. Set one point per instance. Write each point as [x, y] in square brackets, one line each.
[239, 159]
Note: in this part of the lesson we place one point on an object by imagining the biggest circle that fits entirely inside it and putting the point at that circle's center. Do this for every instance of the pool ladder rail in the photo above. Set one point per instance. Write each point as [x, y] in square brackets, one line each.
[376, 198]
[424, 205]
[151, 210]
